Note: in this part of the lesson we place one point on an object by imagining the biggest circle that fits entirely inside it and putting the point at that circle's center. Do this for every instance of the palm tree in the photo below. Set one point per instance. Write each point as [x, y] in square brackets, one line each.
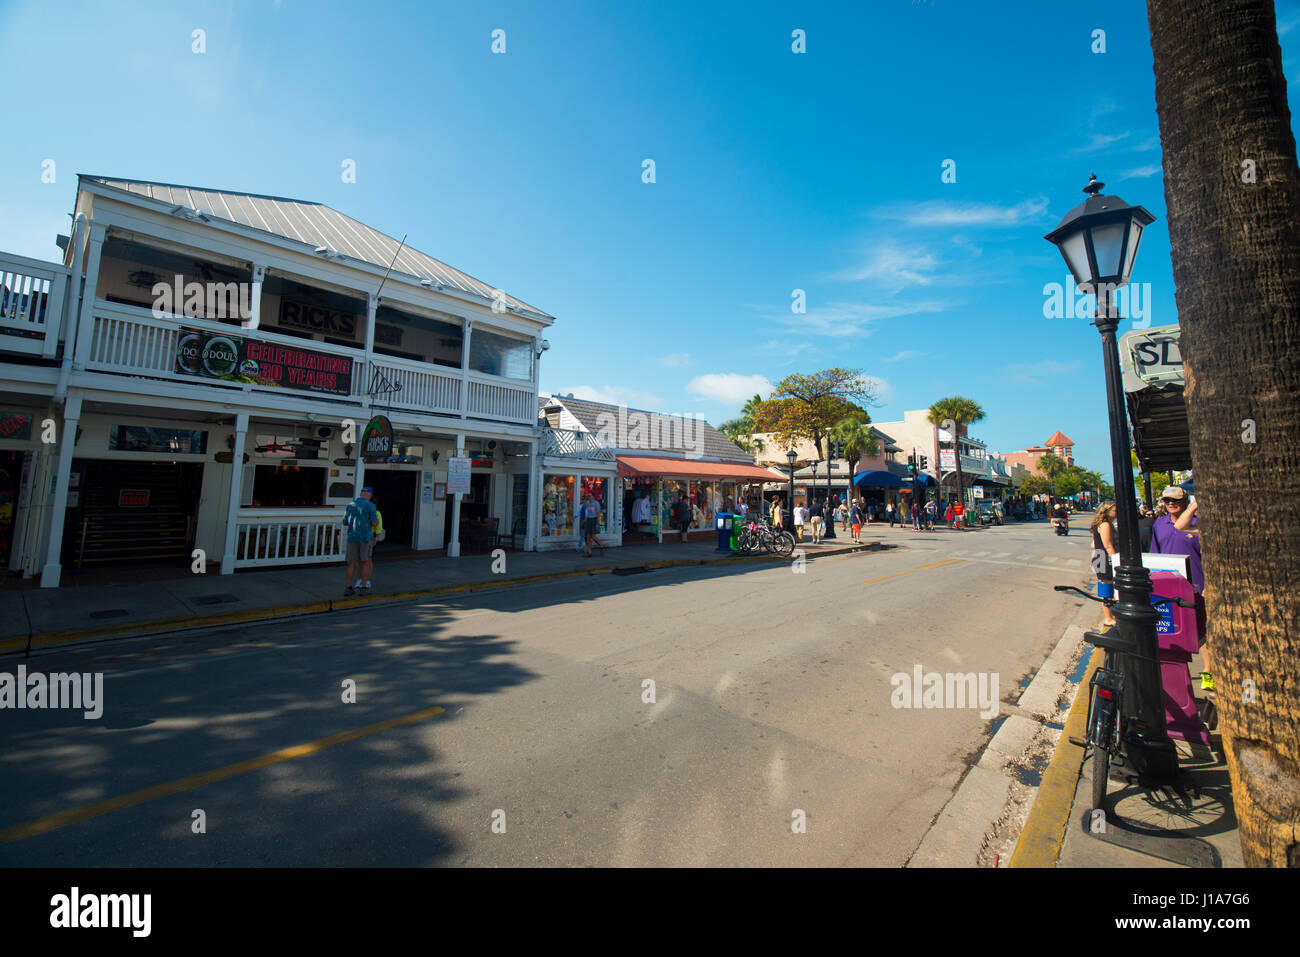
[961, 412]
[855, 436]
[1232, 191]
[1052, 465]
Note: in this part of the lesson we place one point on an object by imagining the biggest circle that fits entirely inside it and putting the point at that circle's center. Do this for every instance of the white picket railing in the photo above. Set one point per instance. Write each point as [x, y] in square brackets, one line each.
[572, 444]
[500, 400]
[32, 297]
[420, 386]
[132, 341]
[289, 537]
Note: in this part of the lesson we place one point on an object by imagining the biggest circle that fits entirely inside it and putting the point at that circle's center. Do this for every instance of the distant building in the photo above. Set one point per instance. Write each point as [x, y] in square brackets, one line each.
[1059, 444]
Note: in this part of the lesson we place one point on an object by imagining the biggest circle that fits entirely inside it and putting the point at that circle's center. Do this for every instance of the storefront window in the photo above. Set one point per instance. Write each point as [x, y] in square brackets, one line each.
[598, 488]
[674, 491]
[138, 438]
[557, 505]
[289, 486]
[641, 504]
[409, 336]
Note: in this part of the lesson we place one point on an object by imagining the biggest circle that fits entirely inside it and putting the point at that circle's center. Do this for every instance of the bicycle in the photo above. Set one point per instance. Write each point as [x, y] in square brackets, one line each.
[1109, 728]
[756, 535]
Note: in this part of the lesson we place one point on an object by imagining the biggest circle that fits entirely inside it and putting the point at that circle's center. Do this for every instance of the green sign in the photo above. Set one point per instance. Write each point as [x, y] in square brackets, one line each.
[377, 440]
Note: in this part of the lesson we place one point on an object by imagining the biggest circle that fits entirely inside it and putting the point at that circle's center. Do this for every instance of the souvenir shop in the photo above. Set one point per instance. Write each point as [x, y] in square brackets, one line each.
[654, 487]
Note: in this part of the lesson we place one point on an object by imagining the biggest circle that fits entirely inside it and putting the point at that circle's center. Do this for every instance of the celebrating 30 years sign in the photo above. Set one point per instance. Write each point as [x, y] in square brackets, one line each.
[213, 355]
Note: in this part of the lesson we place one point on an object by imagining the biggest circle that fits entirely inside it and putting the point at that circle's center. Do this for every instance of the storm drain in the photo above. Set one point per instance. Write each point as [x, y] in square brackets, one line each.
[216, 599]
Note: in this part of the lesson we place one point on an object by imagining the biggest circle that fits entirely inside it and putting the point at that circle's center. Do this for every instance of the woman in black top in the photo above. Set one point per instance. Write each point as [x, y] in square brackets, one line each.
[1103, 549]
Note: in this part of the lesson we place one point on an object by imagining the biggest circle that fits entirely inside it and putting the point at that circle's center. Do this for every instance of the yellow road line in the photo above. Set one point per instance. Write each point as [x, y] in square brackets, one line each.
[84, 813]
[919, 568]
[1043, 835]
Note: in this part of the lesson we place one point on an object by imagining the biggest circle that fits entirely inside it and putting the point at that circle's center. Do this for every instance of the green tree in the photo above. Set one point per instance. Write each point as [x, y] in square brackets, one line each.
[853, 432]
[955, 413]
[809, 406]
[741, 430]
[1036, 485]
[1052, 465]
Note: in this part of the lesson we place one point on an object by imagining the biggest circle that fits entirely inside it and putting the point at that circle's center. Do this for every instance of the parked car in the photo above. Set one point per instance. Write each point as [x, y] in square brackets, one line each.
[990, 513]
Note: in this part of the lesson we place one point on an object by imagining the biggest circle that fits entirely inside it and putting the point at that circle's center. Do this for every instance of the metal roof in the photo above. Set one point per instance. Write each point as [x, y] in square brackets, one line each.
[672, 430]
[314, 225]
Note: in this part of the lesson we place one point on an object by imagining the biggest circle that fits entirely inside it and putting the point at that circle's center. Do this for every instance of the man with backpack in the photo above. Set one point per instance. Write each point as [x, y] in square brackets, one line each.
[362, 521]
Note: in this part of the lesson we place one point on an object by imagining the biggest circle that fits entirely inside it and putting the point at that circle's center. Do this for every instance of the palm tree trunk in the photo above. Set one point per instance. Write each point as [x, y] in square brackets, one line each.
[1221, 101]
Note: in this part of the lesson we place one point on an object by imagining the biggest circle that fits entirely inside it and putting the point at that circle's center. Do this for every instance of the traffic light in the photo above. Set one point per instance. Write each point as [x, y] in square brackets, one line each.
[911, 464]
[924, 462]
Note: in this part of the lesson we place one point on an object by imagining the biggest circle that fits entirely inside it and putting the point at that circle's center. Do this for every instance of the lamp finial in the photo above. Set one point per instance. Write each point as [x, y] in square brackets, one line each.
[1093, 187]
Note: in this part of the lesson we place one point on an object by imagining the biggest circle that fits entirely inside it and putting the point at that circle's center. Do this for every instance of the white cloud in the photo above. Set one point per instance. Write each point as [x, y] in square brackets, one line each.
[675, 359]
[616, 395]
[895, 268]
[841, 319]
[729, 388]
[1142, 172]
[905, 354]
[939, 212]
[1035, 373]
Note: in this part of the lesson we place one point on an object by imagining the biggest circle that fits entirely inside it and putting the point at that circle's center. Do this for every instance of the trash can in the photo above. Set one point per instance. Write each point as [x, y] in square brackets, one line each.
[737, 522]
[725, 523]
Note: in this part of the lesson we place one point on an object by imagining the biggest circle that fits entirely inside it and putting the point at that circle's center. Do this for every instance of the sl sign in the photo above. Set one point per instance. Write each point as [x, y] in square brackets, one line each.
[377, 440]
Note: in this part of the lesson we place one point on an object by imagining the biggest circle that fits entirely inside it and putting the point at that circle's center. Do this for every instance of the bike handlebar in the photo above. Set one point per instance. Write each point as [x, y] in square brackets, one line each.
[1158, 600]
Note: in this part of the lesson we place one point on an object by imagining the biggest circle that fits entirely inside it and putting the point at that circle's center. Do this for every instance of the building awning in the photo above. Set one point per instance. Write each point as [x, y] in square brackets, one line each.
[878, 479]
[630, 466]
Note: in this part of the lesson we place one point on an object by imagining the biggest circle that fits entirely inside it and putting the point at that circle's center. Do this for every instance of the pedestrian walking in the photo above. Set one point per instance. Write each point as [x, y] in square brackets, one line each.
[960, 511]
[800, 513]
[591, 524]
[777, 513]
[916, 517]
[1104, 550]
[948, 514]
[889, 511]
[842, 510]
[815, 520]
[855, 518]
[362, 521]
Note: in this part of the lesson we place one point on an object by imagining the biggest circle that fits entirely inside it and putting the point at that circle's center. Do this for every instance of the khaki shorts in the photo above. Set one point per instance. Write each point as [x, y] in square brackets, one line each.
[360, 551]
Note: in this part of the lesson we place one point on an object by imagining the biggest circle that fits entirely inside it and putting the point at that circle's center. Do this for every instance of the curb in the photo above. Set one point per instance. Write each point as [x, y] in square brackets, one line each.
[1043, 835]
[978, 803]
[48, 639]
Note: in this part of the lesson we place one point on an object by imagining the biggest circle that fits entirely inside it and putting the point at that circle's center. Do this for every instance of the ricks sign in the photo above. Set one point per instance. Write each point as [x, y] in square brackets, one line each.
[209, 355]
[377, 440]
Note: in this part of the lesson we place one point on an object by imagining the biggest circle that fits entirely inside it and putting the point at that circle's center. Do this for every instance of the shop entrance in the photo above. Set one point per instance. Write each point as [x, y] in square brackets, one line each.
[128, 511]
[395, 497]
[11, 471]
[474, 509]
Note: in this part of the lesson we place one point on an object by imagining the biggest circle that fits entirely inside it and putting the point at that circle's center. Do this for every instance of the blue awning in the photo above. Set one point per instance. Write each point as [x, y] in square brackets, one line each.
[878, 479]
[925, 480]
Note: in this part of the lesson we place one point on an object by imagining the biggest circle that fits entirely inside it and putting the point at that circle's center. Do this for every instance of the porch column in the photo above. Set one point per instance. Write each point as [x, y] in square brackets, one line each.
[453, 543]
[232, 507]
[86, 320]
[464, 370]
[660, 524]
[255, 303]
[53, 569]
[534, 494]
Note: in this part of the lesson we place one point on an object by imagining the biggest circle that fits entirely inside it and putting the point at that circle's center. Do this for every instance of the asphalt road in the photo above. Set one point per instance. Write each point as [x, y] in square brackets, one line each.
[772, 706]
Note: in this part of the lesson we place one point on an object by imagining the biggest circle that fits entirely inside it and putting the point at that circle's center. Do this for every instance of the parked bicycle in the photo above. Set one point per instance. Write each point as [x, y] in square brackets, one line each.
[754, 535]
[1109, 728]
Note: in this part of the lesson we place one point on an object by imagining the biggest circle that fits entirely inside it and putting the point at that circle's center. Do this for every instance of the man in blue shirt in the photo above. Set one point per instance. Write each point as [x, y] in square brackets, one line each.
[361, 518]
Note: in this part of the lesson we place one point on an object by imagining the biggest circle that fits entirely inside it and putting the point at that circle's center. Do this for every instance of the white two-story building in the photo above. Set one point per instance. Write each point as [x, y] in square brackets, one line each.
[191, 385]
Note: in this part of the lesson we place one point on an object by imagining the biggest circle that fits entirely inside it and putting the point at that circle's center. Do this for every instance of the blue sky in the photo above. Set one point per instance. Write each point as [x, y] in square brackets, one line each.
[774, 171]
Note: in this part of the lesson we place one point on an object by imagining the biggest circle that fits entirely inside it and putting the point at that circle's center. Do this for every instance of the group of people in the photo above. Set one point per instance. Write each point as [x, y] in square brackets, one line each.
[1170, 528]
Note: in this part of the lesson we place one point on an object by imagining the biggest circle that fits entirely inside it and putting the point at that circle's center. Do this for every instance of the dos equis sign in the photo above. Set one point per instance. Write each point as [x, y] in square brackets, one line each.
[377, 440]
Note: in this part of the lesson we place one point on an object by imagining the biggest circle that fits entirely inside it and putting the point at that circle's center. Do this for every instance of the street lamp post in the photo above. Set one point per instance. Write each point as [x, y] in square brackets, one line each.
[828, 520]
[1099, 241]
[791, 456]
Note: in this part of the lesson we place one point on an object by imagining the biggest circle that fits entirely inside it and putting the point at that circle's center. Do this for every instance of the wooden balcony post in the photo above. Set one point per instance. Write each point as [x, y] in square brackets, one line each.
[232, 508]
[86, 321]
[53, 569]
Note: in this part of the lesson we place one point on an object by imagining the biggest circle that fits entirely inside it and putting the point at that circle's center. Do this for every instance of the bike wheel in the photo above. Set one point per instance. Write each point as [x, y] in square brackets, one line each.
[784, 544]
[1100, 772]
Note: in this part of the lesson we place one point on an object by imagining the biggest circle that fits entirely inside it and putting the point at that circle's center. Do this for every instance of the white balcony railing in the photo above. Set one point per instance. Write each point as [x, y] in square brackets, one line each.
[289, 536]
[132, 341]
[32, 297]
[571, 444]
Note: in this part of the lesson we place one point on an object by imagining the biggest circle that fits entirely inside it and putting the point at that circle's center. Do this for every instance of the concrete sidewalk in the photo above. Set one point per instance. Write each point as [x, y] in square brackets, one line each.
[49, 616]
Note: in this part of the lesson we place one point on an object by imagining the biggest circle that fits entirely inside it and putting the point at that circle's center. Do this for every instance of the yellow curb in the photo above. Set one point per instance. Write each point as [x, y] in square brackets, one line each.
[142, 628]
[1043, 835]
